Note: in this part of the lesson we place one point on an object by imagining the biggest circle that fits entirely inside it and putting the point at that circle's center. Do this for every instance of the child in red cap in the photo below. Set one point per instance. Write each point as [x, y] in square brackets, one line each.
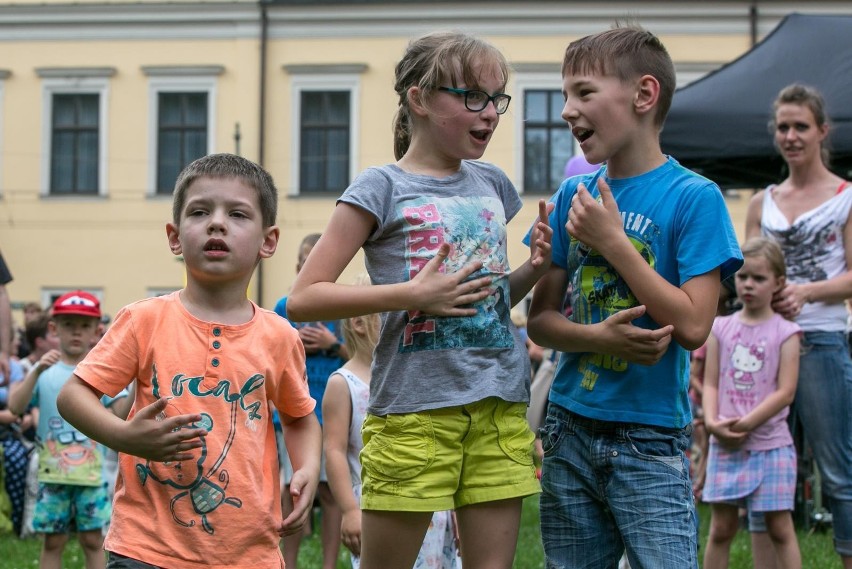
[71, 484]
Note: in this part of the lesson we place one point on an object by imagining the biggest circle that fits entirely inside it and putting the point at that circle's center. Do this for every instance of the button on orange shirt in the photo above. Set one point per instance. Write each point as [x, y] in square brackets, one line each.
[221, 508]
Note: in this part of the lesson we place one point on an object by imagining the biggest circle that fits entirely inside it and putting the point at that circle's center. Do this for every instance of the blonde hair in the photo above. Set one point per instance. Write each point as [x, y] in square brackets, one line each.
[361, 343]
[435, 59]
[769, 250]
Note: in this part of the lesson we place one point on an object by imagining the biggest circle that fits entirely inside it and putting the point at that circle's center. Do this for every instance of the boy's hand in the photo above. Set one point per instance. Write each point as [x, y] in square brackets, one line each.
[316, 338]
[48, 360]
[151, 435]
[597, 225]
[302, 490]
[350, 530]
[632, 343]
[434, 292]
[541, 237]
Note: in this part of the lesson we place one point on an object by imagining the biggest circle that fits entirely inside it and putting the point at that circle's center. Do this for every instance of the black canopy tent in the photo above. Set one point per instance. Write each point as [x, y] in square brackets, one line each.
[718, 125]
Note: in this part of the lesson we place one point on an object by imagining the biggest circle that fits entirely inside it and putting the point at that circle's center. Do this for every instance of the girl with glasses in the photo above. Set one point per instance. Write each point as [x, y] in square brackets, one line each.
[446, 423]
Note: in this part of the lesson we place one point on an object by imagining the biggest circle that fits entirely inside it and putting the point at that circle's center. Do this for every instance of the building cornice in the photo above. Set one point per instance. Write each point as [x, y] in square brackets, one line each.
[241, 20]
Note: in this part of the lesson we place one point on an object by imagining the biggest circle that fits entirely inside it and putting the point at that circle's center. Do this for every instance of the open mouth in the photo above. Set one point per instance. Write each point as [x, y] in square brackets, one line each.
[582, 134]
[216, 245]
[480, 134]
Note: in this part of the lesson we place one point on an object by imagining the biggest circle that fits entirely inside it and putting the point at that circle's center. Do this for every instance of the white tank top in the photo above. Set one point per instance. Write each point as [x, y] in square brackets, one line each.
[359, 393]
[813, 249]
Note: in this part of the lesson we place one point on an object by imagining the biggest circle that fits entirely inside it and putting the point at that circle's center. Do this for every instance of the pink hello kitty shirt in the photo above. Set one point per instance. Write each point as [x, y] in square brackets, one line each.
[748, 373]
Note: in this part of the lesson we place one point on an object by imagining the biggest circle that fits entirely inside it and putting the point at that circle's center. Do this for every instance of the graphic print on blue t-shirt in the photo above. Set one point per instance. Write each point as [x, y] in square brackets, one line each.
[598, 291]
[469, 226]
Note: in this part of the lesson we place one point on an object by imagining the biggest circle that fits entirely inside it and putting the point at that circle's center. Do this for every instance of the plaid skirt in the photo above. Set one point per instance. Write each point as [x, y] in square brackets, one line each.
[762, 480]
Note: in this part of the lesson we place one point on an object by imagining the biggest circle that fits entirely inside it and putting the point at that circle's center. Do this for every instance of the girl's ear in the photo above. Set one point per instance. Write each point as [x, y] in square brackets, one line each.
[782, 280]
[415, 101]
[823, 131]
[357, 323]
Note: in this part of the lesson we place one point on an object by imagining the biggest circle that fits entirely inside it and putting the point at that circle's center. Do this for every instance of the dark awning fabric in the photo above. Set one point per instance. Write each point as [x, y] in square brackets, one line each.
[718, 125]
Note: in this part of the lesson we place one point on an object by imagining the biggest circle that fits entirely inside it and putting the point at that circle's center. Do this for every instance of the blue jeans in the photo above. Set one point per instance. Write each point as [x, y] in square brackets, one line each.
[607, 487]
[824, 406]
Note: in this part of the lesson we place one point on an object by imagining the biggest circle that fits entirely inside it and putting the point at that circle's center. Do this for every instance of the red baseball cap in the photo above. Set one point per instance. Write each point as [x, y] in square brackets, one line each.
[77, 303]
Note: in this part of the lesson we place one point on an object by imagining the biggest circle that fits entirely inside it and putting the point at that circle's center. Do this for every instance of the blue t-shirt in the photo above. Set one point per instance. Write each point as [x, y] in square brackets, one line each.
[16, 374]
[678, 221]
[319, 366]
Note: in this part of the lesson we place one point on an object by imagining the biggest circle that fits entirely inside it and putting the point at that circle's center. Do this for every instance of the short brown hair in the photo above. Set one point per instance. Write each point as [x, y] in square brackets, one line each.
[35, 329]
[229, 166]
[626, 52]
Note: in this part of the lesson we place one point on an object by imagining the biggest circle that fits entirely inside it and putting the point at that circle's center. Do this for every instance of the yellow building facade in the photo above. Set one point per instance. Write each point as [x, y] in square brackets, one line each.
[102, 103]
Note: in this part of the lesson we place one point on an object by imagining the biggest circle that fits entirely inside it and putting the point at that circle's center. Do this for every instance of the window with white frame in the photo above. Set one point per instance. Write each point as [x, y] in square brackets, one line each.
[74, 131]
[181, 123]
[547, 142]
[325, 100]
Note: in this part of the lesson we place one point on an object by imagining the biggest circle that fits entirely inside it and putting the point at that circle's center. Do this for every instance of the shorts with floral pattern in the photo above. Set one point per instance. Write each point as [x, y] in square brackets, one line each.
[58, 504]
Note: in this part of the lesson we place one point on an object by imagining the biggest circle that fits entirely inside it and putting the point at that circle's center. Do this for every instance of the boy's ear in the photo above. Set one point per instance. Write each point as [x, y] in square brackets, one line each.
[647, 94]
[270, 241]
[173, 234]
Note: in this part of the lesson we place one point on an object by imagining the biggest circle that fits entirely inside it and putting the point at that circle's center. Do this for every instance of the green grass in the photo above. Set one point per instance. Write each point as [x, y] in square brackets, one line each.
[817, 549]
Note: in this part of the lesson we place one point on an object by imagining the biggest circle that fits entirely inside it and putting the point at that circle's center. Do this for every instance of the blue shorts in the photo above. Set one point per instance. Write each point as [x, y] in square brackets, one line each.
[58, 504]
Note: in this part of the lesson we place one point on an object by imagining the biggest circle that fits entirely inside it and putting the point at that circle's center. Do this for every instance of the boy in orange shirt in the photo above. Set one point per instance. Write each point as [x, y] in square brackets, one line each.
[198, 469]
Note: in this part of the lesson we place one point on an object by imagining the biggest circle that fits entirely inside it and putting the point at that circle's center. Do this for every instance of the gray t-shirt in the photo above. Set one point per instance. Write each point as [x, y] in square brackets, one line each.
[429, 362]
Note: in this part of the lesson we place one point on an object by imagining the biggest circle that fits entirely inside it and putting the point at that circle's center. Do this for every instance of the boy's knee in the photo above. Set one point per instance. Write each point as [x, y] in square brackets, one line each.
[54, 541]
[91, 540]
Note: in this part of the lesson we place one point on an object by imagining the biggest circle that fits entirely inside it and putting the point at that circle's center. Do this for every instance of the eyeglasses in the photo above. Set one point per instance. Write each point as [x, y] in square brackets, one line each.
[476, 101]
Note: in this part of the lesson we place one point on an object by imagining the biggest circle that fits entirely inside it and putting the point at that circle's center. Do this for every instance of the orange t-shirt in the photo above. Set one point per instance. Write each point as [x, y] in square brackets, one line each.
[220, 510]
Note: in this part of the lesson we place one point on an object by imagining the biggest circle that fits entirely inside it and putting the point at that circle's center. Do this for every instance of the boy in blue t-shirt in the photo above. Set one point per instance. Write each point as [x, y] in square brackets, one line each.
[645, 245]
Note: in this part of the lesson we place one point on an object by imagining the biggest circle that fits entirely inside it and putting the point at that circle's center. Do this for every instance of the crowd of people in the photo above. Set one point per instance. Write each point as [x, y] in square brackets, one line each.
[399, 402]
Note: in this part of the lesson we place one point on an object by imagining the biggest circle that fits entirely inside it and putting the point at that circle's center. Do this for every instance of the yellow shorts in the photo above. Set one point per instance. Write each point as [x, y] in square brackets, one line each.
[447, 458]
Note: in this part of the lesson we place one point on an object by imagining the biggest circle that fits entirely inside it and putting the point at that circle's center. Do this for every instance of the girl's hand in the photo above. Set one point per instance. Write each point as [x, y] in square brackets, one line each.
[541, 237]
[724, 434]
[597, 225]
[788, 301]
[441, 294]
[350, 531]
[743, 425]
